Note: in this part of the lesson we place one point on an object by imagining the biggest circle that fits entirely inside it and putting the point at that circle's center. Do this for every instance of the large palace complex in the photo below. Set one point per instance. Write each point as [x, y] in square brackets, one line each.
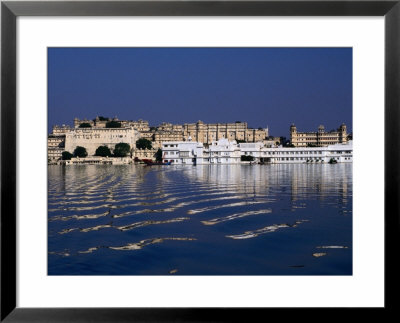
[92, 134]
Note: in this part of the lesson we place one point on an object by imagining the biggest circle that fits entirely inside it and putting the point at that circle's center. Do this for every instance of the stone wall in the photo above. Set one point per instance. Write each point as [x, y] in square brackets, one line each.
[92, 138]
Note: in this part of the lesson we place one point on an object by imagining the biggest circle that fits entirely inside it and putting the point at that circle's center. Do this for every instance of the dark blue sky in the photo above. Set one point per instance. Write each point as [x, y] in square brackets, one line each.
[263, 86]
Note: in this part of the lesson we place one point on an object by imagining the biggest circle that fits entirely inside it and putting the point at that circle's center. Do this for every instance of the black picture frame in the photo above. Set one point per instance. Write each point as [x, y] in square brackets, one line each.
[10, 10]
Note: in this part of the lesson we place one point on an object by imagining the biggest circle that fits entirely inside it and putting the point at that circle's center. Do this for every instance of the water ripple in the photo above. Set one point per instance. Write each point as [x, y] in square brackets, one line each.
[268, 229]
[138, 245]
[124, 227]
[235, 216]
[211, 208]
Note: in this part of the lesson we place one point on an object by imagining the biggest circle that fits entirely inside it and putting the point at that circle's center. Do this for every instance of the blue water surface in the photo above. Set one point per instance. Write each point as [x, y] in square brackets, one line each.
[200, 220]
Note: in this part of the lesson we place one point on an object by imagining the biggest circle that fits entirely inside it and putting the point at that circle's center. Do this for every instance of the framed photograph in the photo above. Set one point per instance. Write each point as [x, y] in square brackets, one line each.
[195, 161]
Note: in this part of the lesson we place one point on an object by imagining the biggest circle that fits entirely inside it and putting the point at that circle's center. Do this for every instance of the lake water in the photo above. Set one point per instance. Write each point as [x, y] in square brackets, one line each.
[200, 220]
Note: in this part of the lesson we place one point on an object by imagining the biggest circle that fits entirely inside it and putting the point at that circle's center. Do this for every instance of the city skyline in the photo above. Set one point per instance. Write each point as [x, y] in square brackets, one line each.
[265, 87]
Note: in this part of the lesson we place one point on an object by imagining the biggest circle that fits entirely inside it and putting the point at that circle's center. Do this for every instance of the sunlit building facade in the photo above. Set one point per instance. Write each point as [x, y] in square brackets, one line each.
[320, 138]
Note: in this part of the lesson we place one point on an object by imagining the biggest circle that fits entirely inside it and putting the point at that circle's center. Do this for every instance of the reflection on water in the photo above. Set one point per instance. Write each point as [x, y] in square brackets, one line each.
[200, 220]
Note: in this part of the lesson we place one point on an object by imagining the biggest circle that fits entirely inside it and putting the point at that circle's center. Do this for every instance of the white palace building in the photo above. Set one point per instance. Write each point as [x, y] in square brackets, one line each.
[224, 151]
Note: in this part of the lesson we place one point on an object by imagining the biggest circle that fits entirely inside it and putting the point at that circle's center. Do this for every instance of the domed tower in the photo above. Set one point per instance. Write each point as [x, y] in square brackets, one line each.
[342, 133]
[293, 134]
[321, 128]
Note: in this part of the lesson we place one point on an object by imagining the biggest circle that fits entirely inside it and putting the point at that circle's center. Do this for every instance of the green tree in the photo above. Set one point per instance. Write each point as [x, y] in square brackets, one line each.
[85, 125]
[103, 151]
[159, 155]
[143, 143]
[122, 150]
[113, 124]
[66, 155]
[101, 118]
[80, 152]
